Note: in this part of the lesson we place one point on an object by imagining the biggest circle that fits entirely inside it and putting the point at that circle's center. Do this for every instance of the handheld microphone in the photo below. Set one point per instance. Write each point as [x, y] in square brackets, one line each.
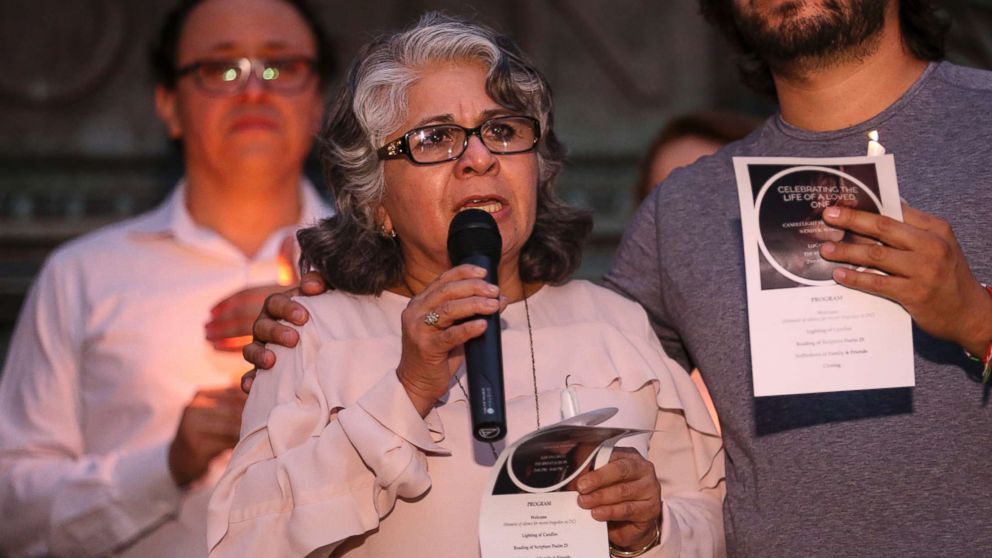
[474, 238]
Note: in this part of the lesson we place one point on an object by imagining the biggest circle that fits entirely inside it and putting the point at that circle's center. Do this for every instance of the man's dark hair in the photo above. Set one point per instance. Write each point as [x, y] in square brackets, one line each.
[164, 51]
[923, 30]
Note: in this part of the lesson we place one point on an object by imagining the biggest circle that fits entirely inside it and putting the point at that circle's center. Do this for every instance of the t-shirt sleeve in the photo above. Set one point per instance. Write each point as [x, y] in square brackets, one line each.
[638, 273]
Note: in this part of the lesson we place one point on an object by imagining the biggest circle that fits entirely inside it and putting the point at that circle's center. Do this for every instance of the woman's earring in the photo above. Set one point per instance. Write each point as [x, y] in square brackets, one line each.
[391, 233]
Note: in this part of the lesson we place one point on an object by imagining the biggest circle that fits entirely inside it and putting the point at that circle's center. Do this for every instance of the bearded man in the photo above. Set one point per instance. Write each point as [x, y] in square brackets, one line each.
[894, 472]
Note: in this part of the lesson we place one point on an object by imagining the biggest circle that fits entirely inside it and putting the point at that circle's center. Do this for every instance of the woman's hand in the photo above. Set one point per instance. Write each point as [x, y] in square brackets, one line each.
[429, 358]
[625, 493]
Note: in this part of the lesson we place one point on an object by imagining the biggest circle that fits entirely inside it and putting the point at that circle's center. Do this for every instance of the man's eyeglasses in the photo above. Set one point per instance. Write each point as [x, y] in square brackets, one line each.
[504, 135]
[228, 77]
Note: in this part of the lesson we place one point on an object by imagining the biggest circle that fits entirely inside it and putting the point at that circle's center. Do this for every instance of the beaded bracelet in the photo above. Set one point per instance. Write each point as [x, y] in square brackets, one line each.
[987, 361]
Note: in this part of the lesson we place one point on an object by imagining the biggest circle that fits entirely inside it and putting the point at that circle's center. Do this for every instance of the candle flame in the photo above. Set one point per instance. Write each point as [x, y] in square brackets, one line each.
[875, 149]
[233, 343]
[285, 275]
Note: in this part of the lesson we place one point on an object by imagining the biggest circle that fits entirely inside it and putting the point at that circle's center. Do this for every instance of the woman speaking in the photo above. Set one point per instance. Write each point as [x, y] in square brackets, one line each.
[358, 442]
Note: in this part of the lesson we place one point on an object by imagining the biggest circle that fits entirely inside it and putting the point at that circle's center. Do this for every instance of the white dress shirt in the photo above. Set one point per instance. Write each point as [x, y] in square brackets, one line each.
[108, 350]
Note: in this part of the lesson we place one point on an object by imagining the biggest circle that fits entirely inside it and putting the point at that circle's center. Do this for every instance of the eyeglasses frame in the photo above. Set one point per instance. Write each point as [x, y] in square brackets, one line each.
[248, 67]
[400, 147]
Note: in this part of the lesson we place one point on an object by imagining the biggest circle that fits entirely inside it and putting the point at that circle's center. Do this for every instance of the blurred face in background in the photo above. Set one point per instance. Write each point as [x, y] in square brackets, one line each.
[784, 31]
[257, 127]
[677, 153]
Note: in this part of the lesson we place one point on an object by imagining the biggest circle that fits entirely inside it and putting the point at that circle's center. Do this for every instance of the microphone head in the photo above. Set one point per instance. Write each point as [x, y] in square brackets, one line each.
[474, 232]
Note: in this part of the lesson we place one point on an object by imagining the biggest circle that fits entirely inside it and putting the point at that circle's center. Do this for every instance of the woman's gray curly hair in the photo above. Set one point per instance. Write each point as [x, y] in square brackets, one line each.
[348, 249]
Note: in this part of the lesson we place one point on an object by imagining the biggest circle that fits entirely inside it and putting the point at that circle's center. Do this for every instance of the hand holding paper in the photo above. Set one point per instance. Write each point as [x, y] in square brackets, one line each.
[808, 333]
[531, 508]
[625, 493]
[928, 274]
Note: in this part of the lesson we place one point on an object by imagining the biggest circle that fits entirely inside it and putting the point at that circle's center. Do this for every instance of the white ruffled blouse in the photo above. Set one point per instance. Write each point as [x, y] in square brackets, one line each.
[335, 460]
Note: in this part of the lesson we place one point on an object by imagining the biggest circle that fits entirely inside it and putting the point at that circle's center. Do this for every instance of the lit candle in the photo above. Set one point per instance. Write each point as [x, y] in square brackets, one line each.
[285, 273]
[569, 401]
[233, 343]
[874, 148]
[285, 277]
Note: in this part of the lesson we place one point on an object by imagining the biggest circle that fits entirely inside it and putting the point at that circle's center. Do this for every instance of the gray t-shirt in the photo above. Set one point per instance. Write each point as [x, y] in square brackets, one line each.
[893, 472]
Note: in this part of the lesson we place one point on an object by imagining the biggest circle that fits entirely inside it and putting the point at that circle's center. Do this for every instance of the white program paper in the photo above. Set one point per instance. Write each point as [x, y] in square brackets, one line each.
[530, 508]
[809, 334]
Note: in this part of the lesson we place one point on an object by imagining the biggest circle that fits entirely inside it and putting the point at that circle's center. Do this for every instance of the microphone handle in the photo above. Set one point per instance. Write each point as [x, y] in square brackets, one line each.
[484, 366]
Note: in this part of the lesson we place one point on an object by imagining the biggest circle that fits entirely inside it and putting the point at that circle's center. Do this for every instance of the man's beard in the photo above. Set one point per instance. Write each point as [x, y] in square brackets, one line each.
[840, 30]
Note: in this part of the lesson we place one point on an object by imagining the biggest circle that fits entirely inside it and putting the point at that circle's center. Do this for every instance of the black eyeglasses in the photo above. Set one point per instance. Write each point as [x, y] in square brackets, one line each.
[504, 135]
[228, 77]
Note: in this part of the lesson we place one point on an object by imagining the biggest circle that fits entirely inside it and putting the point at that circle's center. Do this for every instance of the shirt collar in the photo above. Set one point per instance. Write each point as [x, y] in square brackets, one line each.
[172, 219]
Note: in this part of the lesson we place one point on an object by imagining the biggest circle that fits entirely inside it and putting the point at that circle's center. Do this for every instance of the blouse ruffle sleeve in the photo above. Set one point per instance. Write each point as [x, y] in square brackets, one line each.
[319, 462]
[622, 364]
[691, 494]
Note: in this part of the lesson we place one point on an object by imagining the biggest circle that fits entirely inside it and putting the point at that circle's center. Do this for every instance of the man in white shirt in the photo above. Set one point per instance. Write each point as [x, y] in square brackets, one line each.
[116, 410]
